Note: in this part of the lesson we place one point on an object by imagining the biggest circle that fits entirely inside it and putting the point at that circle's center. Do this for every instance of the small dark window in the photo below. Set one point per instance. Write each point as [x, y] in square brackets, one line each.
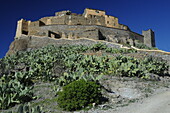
[107, 22]
[97, 11]
[53, 35]
[25, 32]
[68, 13]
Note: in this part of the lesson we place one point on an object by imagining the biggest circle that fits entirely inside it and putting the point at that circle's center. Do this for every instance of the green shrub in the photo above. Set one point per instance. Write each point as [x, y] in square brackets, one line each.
[98, 46]
[143, 46]
[79, 94]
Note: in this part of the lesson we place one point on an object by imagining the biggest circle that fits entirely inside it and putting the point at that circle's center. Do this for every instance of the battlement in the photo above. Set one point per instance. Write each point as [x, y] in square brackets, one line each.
[66, 24]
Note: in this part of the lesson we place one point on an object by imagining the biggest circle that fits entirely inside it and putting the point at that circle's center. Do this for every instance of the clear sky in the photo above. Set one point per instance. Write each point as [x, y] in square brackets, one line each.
[137, 14]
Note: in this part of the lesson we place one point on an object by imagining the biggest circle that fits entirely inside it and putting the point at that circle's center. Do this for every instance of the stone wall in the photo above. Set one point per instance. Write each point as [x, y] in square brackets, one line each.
[88, 31]
[71, 31]
[57, 20]
[76, 20]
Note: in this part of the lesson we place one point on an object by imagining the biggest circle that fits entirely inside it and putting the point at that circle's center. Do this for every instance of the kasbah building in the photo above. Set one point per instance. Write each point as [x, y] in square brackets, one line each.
[92, 24]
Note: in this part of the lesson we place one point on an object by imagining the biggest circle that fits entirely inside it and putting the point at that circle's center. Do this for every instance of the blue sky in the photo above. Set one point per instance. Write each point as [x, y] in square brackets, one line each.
[137, 14]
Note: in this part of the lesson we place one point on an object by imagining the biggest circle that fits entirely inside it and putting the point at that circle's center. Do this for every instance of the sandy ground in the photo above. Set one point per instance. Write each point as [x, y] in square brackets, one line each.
[158, 103]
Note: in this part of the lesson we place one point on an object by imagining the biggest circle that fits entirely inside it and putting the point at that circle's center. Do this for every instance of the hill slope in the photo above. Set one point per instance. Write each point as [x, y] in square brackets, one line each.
[125, 75]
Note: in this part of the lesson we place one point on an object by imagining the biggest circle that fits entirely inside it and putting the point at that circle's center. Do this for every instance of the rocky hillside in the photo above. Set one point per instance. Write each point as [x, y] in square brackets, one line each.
[38, 71]
[25, 42]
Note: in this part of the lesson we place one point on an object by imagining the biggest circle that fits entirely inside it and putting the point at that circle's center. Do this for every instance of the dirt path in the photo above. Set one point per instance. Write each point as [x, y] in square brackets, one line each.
[159, 103]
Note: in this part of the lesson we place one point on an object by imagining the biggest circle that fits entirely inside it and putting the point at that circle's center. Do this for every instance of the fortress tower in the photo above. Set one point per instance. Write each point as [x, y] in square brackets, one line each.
[149, 38]
[22, 27]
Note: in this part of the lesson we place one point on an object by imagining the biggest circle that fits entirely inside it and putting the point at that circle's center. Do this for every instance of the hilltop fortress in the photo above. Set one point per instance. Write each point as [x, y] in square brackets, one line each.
[92, 24]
